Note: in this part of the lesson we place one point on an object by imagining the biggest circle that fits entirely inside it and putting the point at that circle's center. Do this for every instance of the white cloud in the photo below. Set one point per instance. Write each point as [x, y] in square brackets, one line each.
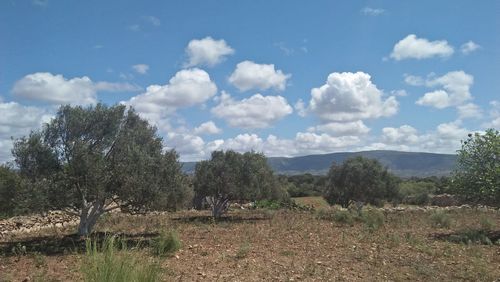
[153, 20]
[412, 47]
[207, 52]
[18, 120]
[400, 93]
[342, 128]
[456, 90]
[469, 110]
[469, 47]
[300, 107]
[349, 97]
[255, 112]
[414, 80]
[187, 88]
[494, 116]
[249, 75]
[404, 134]
[312, 143]
[56, 89]
[367, 11]
[190, 147]
[208, 127]
[141, 68]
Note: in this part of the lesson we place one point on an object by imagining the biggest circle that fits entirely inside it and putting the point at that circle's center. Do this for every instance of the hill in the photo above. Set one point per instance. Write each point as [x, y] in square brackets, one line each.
[403, 164]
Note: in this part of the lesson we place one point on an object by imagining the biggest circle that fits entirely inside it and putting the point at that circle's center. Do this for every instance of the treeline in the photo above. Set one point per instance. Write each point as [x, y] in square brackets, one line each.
[88, 161]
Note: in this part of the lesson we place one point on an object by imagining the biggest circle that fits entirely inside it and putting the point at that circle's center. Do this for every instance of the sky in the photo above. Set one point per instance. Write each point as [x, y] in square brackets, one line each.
[286, 78]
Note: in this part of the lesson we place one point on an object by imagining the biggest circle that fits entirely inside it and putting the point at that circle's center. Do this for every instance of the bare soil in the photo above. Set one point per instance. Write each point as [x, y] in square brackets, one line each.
[262, 245]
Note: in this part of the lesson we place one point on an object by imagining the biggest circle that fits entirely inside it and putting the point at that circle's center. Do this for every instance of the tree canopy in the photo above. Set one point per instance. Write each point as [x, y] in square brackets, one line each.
[362, 180]
[477, 176]
[231, 176]
[91, 160]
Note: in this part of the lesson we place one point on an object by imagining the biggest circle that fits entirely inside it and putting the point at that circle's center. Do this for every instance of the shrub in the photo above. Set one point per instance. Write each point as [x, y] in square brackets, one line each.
[166, 244]
[340, 216]
[373, 219]
[469, 236]
[486, 223]
[360, 180]
[112, 261]
[440, 219]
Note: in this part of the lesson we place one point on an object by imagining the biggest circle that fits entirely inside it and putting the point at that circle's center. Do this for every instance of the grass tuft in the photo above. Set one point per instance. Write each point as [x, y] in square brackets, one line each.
[166, 244]
[112, 261]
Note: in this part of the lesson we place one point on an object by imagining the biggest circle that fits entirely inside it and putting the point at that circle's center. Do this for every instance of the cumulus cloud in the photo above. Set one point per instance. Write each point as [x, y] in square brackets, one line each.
[349, 97]
[469, 47]
[352, 128]
[469, 110]
[208, 127]
[367, 11]
[255, 112]
[455, 90]
[56, 89]
[300, 107]
[412, 47]
[187, 88]
[494, 114]
[140, 68]
[249, 75]
[18, 120]
[404, 134]
[414, 80]
[207, 52]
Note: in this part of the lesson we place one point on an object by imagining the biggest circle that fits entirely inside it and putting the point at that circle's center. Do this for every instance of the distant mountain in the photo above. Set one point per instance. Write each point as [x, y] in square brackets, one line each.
[403, 164]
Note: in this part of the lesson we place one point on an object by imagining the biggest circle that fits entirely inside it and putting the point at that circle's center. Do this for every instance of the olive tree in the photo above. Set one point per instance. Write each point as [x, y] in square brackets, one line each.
[231, 176]
[477, 175]
[360, 180]
[91, 160]
[9, 190]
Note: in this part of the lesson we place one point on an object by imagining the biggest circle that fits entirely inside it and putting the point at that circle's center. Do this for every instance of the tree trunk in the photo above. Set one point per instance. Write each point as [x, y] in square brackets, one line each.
[88, 218]
[219, 206]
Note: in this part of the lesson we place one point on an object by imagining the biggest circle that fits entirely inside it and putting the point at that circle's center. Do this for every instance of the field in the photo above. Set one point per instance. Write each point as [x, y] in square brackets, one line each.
[280, 245]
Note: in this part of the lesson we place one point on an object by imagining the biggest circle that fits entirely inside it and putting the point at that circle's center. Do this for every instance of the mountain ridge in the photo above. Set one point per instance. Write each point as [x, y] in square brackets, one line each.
[401, 163]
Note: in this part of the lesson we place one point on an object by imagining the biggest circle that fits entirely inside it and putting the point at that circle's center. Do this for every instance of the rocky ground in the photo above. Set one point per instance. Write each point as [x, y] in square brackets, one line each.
[264, 245]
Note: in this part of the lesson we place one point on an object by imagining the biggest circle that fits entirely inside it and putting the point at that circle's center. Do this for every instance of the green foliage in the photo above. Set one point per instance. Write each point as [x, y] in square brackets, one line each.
[440, 219]
[166, 244]
[373, 219]
[112, 262]
[360, 179]
[477, 176]
[337, 215]
[416, 192]
[231, 176]
[306, 185]
[96, 158]
[471, 236]
[10, 186]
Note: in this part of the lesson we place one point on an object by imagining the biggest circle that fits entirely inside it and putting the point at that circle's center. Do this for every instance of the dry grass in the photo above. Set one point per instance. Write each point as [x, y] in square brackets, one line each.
[286, 245]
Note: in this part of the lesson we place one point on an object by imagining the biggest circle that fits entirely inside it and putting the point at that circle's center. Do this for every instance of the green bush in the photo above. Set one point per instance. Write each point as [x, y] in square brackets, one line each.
[373, 219]
[440, 219]
[340, 216]
[470, 236]
[166, 244]
[111, 261]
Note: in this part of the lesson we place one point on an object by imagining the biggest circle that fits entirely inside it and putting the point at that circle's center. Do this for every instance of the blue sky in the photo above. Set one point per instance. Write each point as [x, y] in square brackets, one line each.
[283, 77]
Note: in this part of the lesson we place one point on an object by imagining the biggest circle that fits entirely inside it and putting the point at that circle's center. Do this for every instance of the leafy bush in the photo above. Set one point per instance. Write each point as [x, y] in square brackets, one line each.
[470, 236]
[166, 244]
[373, 219]
[340, 216]
[360, 180]
[440, 219]
[111, 261]
[486, 223]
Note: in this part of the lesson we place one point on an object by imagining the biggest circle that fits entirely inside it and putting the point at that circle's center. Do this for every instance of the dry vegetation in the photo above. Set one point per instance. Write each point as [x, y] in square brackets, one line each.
[276, 245]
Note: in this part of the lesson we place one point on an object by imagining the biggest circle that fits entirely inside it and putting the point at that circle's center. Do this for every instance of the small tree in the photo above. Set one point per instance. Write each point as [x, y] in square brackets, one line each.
[230, 176]
[362, 180]
[9, 190]
[477, 175]
[89, 161]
